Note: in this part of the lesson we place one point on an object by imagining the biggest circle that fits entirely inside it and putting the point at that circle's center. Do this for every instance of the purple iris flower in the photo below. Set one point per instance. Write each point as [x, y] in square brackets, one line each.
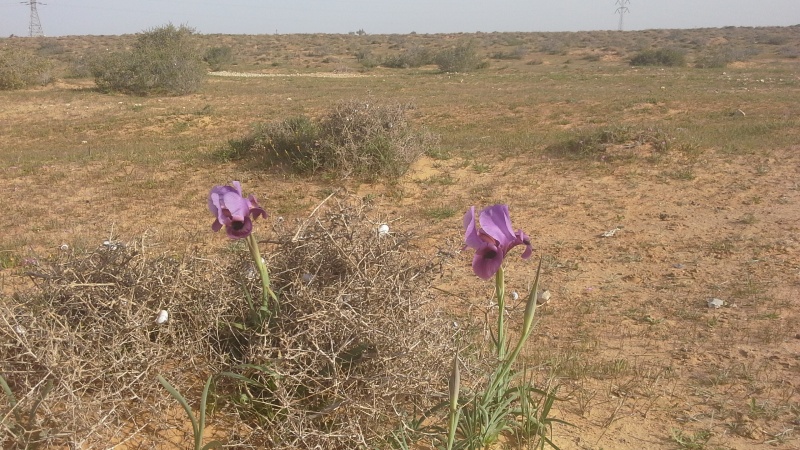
[493, 240]
[233, 210]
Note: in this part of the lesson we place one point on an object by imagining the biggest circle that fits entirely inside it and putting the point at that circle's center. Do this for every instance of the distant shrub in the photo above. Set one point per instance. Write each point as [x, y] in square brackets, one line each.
[789, 51]
[20, 69]
[553, 47]
[366, 58]
[413, 57]
[356, 138]
[715, 60]
[660, 57]
[80, 67]
[517, 53]
[772, 39]
[218, 57]
[461, 58]
[163, 60]
[722, 56]
[51, 48]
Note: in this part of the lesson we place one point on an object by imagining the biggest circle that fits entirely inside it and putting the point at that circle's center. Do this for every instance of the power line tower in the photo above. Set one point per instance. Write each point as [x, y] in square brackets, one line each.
[35, 27]
[621, 10]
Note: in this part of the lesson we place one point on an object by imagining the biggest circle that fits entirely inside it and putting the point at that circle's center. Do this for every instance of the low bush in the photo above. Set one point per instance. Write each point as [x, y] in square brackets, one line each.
[722, 56]
[365, 57]
[20, 69]
[218, 57]
[356, 138]
[611, 143]
[163, 61]
[292, 142]
[414, 57]
[517, 53]
[659, 57]
[461, 58]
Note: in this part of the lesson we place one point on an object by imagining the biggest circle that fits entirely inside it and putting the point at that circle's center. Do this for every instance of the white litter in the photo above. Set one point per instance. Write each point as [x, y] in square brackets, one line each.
[163, 317]
[610, 232]
[383, 230]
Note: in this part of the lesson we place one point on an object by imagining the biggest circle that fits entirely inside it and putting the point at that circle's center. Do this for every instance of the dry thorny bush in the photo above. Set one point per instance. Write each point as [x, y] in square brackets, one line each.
[366, 139]
[355, 348]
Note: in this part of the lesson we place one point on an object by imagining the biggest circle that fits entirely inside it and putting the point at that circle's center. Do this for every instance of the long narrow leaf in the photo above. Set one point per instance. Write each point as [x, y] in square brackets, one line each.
[12, 399]
[45, 390]
[203, 401]
[177, 396]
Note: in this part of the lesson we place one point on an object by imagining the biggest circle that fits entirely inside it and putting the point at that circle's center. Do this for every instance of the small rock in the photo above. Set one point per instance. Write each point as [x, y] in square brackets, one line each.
[543, 298]
[715, 303]
[383, 230]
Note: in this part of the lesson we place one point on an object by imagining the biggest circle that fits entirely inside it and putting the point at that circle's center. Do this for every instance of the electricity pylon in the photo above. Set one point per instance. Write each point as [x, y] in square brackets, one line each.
[35, 27]
[621, 10]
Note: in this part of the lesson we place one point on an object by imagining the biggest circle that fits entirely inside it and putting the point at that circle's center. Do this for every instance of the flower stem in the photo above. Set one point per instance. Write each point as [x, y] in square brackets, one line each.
[267, 292]
[527, 327]
[500, 293]
[455, 386]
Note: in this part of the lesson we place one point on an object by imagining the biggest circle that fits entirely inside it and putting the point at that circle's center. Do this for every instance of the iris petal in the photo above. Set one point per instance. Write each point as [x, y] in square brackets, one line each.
[496, 222]
[487, 261]
[471, 237]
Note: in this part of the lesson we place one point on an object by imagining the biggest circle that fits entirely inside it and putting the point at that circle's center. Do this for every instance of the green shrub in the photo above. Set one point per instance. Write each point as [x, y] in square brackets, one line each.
[517, 53]
[218, 57]
[723, 56]
[553, 47]
[365, 57]
[163, 60]
[289, 142]
[414, 57]
[461, 58]
[20, 69]
[660, 57]
[610, 143]
[356, 138]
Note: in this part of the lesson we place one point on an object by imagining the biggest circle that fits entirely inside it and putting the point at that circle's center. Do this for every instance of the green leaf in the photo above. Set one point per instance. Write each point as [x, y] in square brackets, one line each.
[46, 390]
[203, 402]
[180, 398]
[11, 399]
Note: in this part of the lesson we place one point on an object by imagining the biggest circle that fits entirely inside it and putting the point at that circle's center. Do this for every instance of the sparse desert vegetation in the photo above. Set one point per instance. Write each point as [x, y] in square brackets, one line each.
[663, 200]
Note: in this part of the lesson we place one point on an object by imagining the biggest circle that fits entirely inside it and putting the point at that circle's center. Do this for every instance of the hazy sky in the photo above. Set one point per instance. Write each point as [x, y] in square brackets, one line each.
[80, 17]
